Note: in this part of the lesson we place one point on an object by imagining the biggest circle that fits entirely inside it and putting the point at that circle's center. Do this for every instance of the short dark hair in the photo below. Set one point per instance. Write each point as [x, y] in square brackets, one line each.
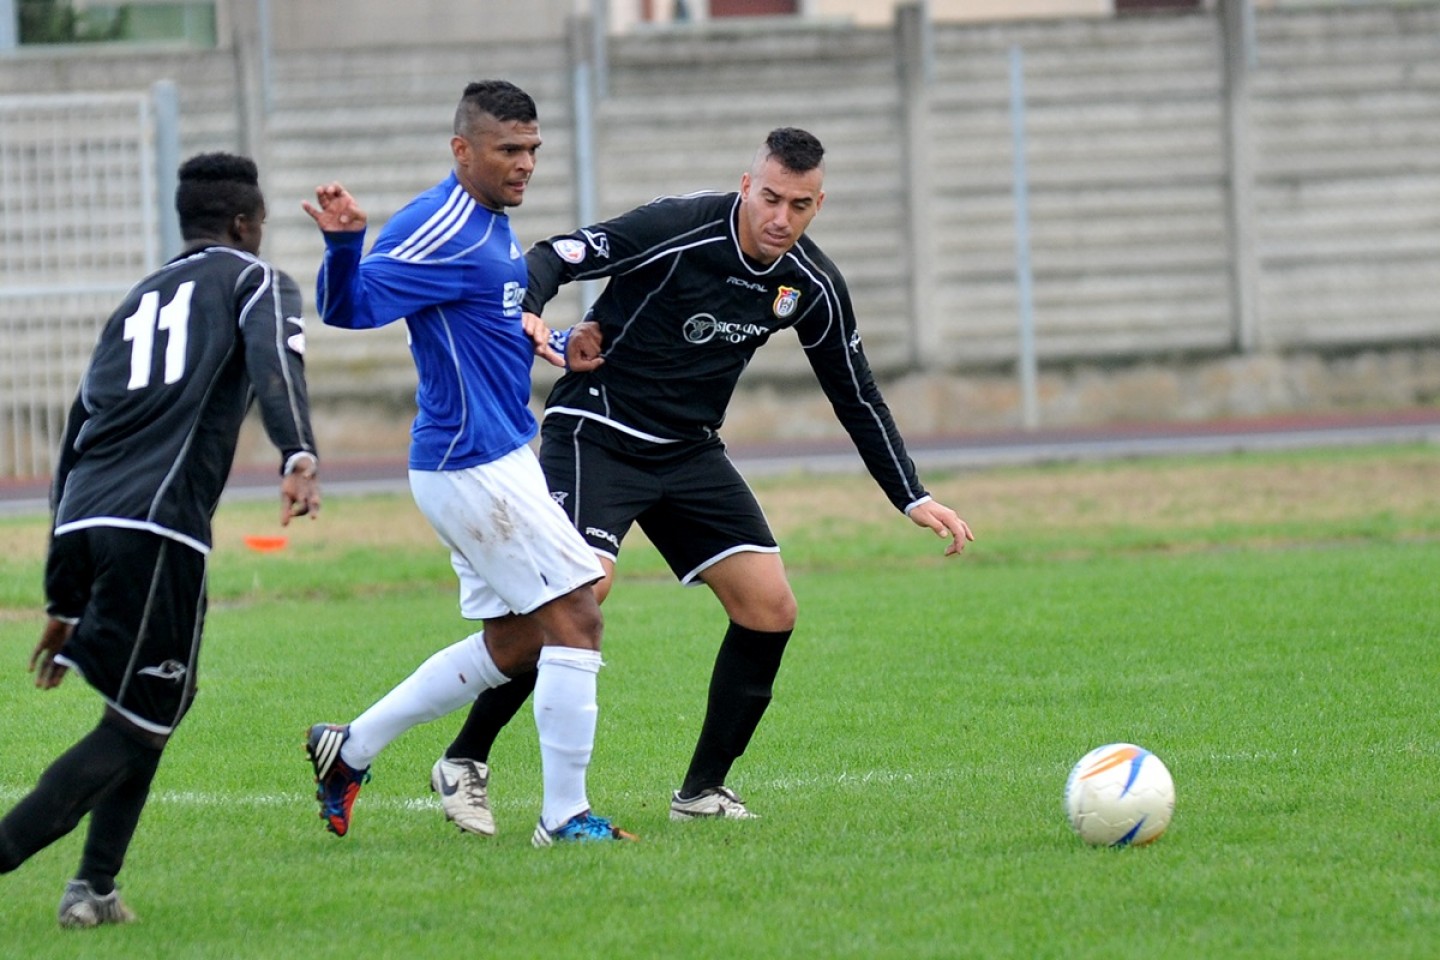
[214, 189]
[499, 98]
[798, 151]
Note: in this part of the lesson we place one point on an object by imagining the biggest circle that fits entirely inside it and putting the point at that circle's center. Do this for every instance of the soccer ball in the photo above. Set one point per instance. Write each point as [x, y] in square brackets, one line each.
[1119, 795]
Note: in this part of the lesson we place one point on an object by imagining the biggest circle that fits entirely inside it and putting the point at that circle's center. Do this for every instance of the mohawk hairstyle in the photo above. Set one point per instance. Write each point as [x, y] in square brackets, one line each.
[797, 150]
[214, 189]
[501, 99]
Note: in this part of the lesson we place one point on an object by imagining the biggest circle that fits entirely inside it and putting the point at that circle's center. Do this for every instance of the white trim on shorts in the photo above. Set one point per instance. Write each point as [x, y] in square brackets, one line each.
[692, 578]
[511, 544]
[149, 726]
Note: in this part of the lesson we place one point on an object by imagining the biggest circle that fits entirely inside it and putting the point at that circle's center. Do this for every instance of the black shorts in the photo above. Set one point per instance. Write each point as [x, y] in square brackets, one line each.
[692, 503]
[140, 600]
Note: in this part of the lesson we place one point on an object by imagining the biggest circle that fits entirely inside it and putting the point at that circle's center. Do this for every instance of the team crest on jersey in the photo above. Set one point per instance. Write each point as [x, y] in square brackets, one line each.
[569, 250]
[786, 301]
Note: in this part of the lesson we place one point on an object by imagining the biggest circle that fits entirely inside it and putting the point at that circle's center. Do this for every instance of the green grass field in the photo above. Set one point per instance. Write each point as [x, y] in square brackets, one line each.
[1266, 624]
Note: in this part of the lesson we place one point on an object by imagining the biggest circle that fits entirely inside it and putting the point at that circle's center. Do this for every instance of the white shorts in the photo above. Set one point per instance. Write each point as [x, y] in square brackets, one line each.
[511, 545]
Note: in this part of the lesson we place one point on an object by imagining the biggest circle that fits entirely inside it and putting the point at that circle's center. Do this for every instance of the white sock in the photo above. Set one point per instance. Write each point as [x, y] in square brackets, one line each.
[565, 715]
[449, 680]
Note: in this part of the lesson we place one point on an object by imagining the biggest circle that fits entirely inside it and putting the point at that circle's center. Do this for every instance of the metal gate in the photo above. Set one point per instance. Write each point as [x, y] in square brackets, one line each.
[80, 221]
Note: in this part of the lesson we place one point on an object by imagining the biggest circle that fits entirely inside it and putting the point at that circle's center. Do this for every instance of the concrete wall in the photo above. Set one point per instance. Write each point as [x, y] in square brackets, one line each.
[1168, 190]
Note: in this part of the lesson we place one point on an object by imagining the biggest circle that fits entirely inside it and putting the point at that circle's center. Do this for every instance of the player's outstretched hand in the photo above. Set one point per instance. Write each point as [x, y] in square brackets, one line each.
[583, 348]
[47, 672]
[945, 522]
[335, 210]
[300, 492]
[538, 331]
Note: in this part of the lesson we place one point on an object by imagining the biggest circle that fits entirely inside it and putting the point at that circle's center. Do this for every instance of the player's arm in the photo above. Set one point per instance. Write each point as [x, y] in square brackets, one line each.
[360, 292]
[274, 335]
[69, 453]
[833, 348]
[339, 294]
[611, 247]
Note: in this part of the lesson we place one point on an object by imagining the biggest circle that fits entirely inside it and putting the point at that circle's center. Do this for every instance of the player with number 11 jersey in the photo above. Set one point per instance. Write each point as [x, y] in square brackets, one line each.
[151, 436]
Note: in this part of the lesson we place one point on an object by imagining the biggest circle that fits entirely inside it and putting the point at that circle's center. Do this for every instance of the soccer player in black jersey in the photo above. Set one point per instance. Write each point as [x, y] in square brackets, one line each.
[695, 285]
[147, 450]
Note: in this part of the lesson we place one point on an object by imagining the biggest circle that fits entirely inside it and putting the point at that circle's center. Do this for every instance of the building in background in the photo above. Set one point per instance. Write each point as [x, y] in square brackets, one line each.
[329, 24]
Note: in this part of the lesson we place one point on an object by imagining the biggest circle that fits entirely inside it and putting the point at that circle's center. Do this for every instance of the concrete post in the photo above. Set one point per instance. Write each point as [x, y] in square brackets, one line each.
[582, 117]
[166, 103]
[912, 42]
[1237, 21]
[9, 26]
[249, 81]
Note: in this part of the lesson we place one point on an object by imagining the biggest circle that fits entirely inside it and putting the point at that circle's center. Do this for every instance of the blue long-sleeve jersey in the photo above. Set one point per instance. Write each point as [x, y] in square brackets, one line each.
[452, 270]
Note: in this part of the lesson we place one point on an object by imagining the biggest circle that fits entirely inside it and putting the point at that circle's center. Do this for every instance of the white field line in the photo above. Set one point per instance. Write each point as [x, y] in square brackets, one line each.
[426, 802]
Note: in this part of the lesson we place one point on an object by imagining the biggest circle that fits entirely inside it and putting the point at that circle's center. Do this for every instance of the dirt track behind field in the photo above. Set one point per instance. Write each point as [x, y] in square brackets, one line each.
[967, 473]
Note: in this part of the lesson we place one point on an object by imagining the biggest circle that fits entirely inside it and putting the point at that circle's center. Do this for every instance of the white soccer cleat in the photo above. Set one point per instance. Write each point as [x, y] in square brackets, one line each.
[463, 786]
[716, 802]
[81, 906]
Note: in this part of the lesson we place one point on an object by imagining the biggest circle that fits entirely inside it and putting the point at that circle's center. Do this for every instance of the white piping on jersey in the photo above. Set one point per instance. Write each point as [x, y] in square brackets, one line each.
[832, 298]
[630, 320]
[646, 257]
[442, 225]
[266, 283]
[292, 395]
[739, 251]
[460, 382]
[148, 526]
[823, 281]
[613, 424]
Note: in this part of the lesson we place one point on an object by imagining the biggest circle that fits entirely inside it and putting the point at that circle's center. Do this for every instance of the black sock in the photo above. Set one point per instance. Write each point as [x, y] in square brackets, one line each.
[78, 780]
[488, 715]
[113, 823]
[740, 689]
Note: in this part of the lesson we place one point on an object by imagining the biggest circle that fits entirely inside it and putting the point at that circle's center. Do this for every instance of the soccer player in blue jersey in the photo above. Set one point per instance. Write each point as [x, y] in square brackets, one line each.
[450, 267]
[694, 285]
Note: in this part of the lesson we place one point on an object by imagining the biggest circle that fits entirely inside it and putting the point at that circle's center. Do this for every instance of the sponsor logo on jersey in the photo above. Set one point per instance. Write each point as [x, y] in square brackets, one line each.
[702, 328]
[785, 301]
[559, 496]
[569, 250]
[747, 284]
[515, 252]
[855, 342]
[514, 296]
[605, 535]
[599, 242]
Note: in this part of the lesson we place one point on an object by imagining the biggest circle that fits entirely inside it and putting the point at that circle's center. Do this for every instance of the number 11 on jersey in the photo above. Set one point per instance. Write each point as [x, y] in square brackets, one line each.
[140, 327]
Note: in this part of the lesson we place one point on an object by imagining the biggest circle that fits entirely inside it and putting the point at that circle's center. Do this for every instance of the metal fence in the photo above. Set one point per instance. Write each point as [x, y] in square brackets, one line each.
[79, 223]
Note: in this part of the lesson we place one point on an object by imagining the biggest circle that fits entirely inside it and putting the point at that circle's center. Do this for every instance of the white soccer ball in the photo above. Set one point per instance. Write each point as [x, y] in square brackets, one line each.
[1119, 795]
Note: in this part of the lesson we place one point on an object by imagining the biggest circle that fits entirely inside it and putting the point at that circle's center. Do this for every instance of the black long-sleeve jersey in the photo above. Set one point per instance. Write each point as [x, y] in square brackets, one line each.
[152, 433]
[684, 311]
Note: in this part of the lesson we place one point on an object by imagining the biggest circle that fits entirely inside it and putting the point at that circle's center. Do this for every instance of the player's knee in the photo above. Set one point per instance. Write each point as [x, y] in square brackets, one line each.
[574, 620]
[771, 611]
